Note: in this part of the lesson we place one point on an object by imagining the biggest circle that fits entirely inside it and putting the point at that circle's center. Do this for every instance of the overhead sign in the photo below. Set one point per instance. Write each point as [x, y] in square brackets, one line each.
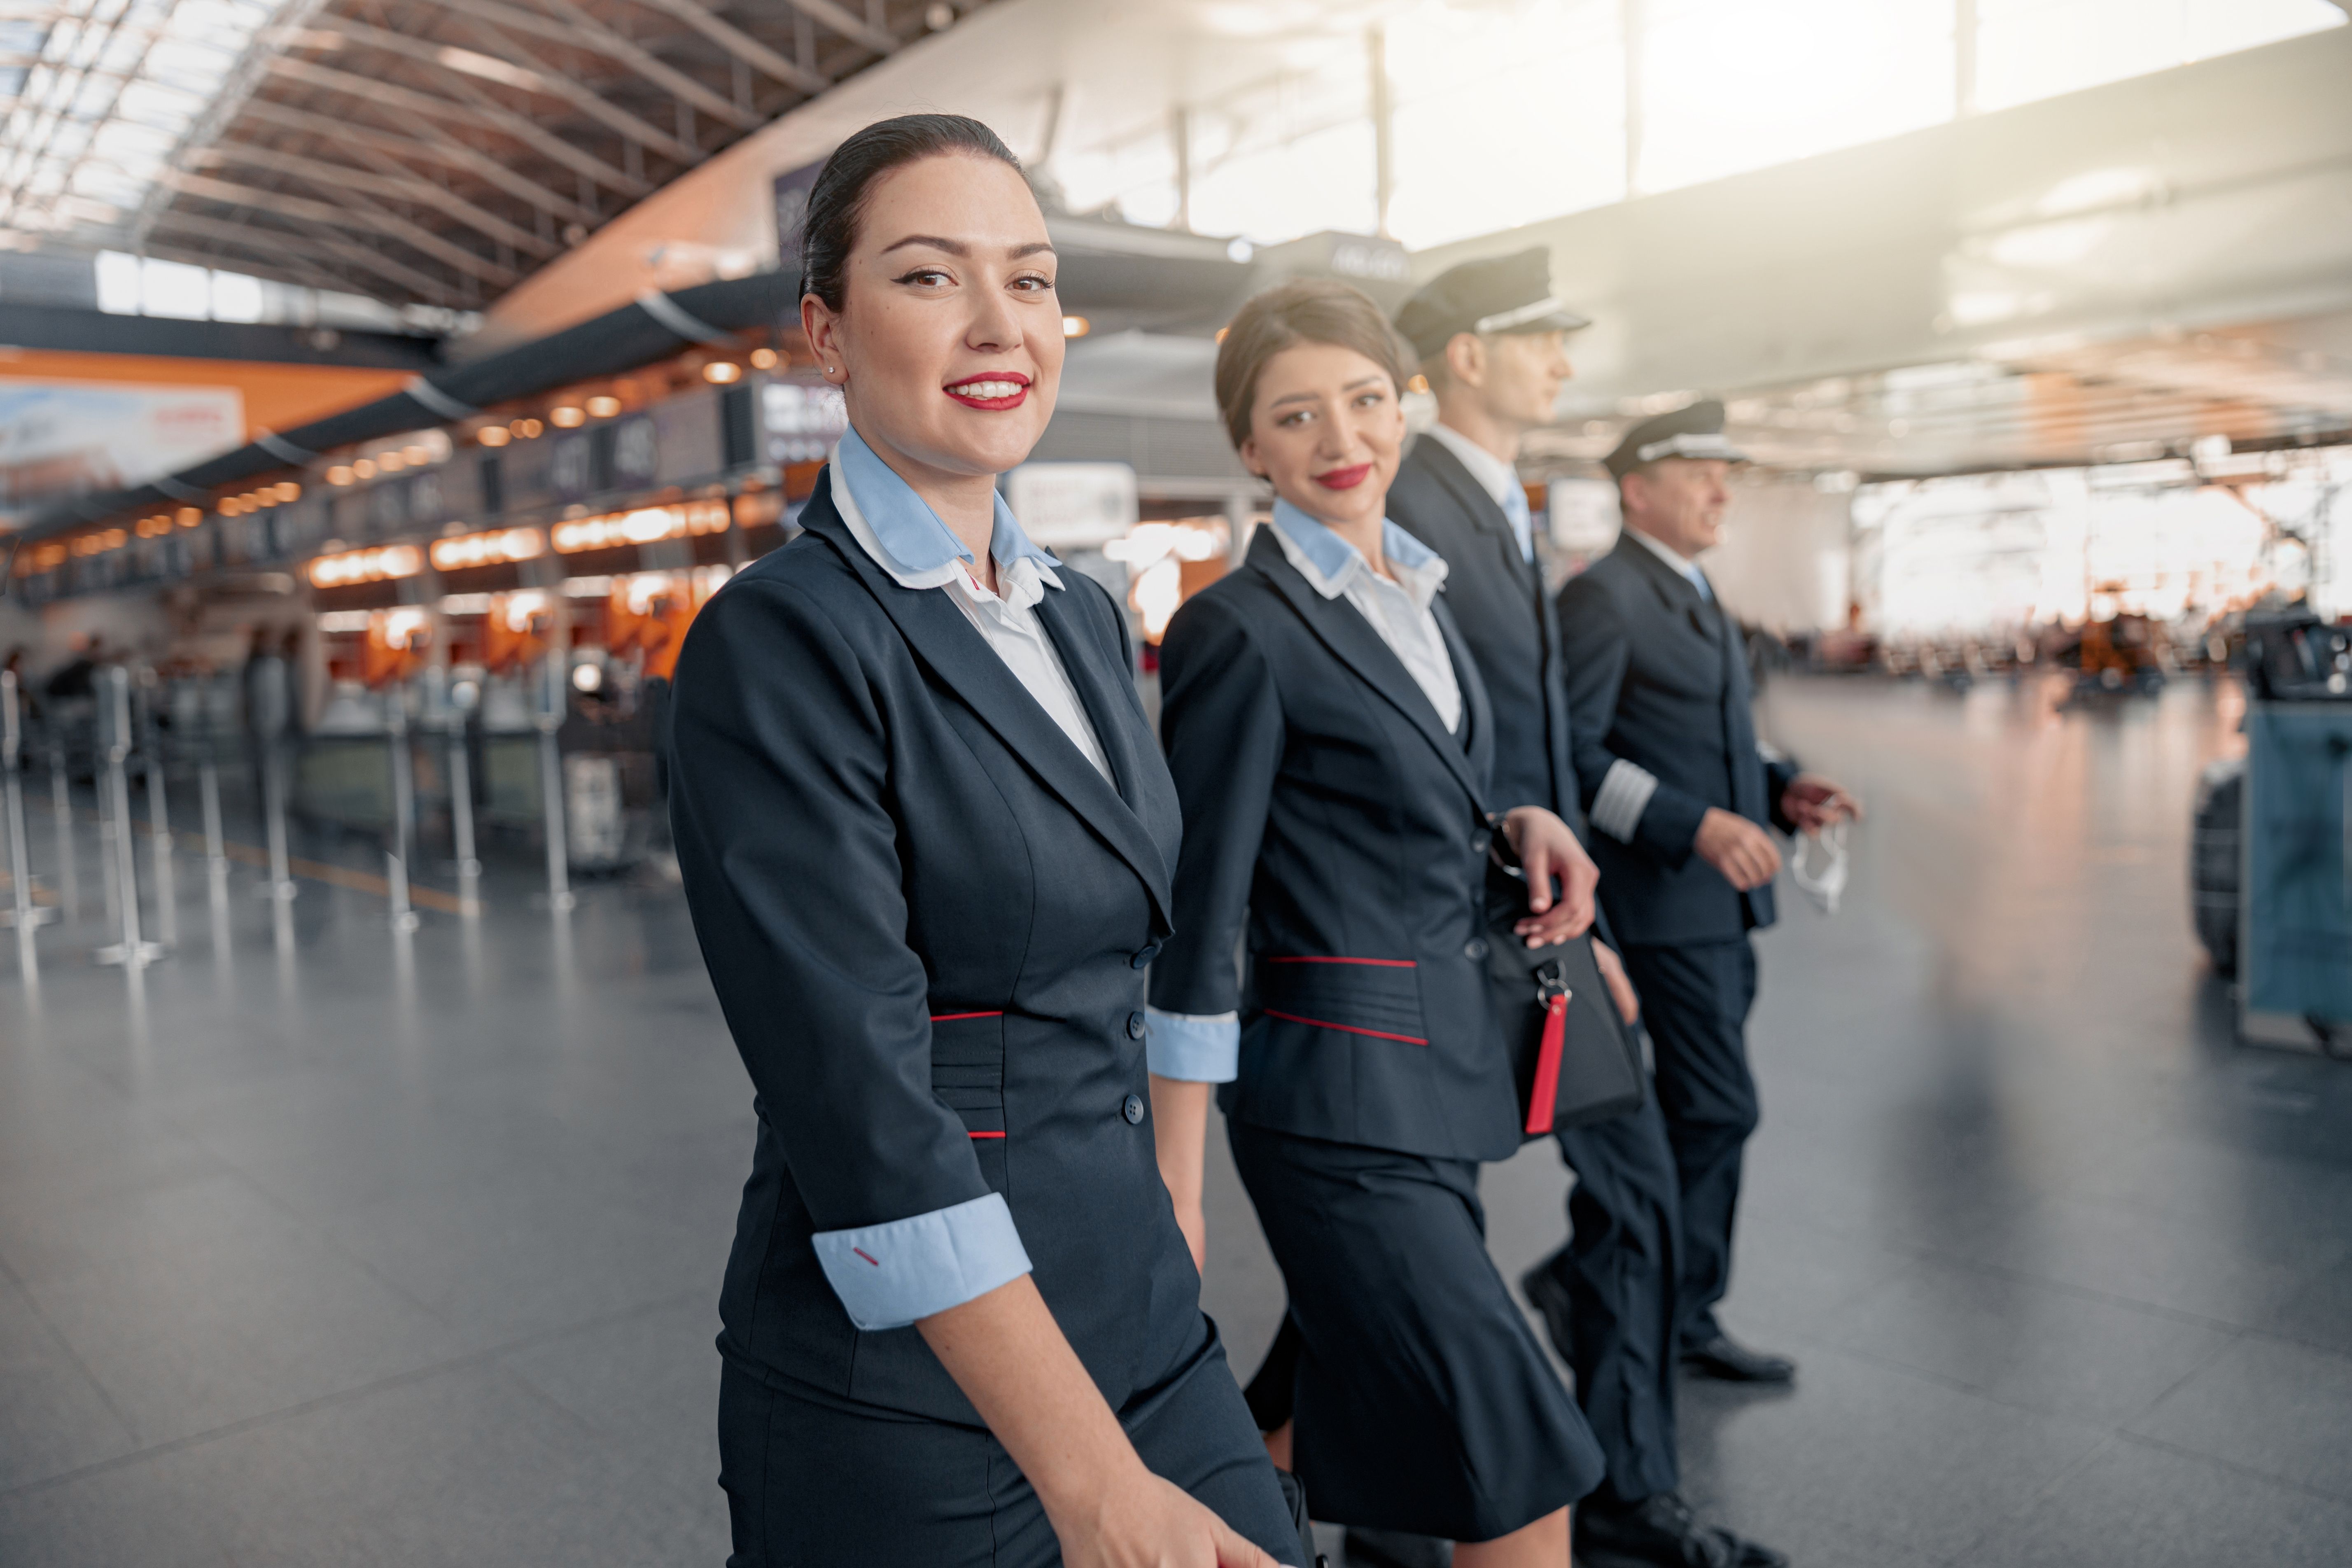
[68, 438]
[1073, 506]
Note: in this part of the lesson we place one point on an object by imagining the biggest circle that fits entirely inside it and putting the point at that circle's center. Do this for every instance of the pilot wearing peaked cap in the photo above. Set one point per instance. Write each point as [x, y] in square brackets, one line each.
[1680, 794]
[1491, 339]
[1695, 432]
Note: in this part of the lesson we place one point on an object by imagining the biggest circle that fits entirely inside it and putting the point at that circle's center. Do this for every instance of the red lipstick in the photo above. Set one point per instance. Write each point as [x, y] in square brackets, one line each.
[1343, 479]
[991, 390]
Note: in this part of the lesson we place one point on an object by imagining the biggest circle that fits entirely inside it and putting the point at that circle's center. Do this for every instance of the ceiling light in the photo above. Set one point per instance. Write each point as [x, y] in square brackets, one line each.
[493, 436]
[1076, 326]
[721, 371]
[763, 359]
[603, 407]
[565, 418]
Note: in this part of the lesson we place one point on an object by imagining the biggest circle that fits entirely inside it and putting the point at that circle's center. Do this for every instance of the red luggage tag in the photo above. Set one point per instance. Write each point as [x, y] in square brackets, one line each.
[1552, 990]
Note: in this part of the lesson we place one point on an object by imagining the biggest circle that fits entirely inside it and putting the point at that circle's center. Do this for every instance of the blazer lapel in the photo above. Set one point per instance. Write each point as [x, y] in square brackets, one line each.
[1118, 714]
[1342, 628]
[952, 649]
[1477, 713]
[1675, 590]
[1473, 498]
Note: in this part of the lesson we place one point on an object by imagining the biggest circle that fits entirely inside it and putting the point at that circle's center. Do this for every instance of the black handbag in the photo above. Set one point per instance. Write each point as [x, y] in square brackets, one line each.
[1573, 1059]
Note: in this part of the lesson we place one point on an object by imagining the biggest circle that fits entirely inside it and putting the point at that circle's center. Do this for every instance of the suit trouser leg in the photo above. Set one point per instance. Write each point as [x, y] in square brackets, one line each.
[1620, 1269]
[1695, 1000]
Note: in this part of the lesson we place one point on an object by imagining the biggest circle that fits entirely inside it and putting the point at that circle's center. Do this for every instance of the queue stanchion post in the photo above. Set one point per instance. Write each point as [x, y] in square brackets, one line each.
[130, 950]
[446, 710]
[159, 815]
[209, 791]
[24, 914]
[554, 697]
[61, 823]
[399, 849]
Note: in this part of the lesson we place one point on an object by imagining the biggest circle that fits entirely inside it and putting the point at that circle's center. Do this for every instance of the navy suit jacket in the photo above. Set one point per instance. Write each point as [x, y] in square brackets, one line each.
[927, 919]
[1657, 676]
[1327, 808]
[1498, 598]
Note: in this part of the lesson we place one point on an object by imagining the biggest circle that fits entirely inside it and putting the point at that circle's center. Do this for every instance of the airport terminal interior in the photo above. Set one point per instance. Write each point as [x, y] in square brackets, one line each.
[387, 385]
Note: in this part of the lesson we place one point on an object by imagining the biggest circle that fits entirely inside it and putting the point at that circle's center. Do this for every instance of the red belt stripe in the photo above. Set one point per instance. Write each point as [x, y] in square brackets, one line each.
[1343, 1029]
[952, 1018]
[1373, 963]
[984, 1136]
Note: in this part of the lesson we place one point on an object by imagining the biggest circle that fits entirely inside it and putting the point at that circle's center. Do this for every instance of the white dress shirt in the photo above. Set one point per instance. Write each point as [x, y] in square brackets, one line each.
[1398, 611]
[914, 548]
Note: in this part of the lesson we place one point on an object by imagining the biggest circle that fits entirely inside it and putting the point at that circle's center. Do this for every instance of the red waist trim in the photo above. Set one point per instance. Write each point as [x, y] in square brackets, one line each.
[1343, 1029]
[952, 1018]
[983, 1134]
[1374, 962]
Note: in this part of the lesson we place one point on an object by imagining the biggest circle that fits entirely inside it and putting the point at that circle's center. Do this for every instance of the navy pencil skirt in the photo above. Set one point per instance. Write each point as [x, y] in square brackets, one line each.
[816, 1481]
[1423, 1401]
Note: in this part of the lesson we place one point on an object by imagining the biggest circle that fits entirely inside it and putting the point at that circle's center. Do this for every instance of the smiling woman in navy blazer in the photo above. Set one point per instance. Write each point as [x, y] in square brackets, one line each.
[1331, 743]
[926, 838]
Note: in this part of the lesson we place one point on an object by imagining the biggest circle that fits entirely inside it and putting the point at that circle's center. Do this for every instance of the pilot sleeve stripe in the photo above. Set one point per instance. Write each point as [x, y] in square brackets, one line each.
[888, 1276]
[1617, 806]
[1194, 1047]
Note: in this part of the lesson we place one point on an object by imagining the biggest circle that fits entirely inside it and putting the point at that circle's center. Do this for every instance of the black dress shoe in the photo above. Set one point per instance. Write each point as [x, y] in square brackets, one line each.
[1547, 1292]
[1395, 1549]
[1661, 1531]
[1725, 1358]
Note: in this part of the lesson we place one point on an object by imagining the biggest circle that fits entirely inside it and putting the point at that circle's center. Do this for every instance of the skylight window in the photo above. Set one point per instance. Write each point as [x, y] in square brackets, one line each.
[100, 93]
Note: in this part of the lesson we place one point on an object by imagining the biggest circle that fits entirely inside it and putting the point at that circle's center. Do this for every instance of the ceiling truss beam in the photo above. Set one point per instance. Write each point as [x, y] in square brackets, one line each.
[393, 185]
[342, 215]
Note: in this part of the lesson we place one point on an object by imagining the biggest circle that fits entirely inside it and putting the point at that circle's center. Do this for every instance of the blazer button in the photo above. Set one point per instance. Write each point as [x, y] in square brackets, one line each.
[1474, 949]
[1481, 841]
[1144, 955]
[1133, 1111]
[1135, 1026]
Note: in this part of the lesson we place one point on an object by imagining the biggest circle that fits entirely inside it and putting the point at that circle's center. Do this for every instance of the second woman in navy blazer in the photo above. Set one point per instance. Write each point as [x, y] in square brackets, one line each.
[1332, 742]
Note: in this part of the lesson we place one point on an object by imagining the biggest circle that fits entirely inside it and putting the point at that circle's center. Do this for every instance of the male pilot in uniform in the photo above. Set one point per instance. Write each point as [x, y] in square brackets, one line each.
[1490, 337]
[1678, 793]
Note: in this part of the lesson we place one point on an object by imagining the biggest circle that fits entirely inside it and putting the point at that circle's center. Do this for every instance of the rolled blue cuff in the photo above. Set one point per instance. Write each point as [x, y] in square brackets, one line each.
[888, 1276]
[1192, 1048]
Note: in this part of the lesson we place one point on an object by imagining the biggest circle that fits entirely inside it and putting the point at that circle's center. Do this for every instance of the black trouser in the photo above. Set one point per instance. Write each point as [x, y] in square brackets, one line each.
[1619, 1267]
[1694, 1001]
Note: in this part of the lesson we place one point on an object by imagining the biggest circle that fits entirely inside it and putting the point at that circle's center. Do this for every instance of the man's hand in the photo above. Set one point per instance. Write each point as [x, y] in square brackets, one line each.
[1612, 975]
[1812, 803]
[1546, 848]
[1736, 846]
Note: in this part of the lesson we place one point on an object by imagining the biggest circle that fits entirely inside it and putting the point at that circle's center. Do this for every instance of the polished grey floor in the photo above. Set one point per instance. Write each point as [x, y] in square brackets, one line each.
[322, 1245]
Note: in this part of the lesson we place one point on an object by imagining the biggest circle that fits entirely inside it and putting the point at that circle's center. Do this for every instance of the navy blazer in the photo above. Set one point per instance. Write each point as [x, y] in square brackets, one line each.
[927, 919]
[1327, 807]
[1657, 676]
[1498, 601]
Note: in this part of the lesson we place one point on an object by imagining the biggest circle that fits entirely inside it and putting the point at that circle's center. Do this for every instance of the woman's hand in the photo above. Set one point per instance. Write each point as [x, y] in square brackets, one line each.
[1147, 1523]
[1006, 1352]
[1546, 848]
[1612, 975]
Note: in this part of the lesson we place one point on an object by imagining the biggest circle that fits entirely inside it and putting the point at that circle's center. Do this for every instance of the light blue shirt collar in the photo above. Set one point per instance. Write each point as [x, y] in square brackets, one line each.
[909, 533]
[1332, 560]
